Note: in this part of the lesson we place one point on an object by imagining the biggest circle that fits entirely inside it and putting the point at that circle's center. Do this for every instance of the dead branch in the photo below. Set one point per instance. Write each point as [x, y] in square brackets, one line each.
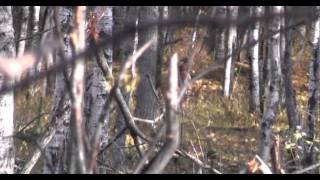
[162, 158]
[116, 93]
[196, 160]
[307, 169]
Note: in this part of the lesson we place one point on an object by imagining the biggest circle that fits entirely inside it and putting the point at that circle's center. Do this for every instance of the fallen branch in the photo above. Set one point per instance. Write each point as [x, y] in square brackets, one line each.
[197, 161]
[307, 169]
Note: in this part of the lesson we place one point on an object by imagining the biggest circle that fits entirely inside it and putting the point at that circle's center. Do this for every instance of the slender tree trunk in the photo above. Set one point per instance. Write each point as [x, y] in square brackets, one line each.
[290, 100]
[45, 22]
[267, 61]
[98, 86]
[33, 27]
[254, 58]
[55, 161]
[218, 44]
[272, 101]
[232, 34]
[163, 34]
[124, 15]
[314, 73]
[147, 64]
[76, 123]
[7, 154]
[23, 30]
[264, 61]
[282, 57]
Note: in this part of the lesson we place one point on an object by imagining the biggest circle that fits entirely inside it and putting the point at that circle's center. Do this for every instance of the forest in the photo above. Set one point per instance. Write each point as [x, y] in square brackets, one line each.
[159, 89]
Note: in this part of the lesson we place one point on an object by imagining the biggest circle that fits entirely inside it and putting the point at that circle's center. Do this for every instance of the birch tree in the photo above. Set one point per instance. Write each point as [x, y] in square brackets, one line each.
[7, 154]
[232, 34]
[272, 100]
[254, 58]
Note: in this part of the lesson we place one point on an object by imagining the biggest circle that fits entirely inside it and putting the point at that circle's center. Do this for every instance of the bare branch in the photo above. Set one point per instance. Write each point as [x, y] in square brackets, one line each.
[307, 169]
[159, 162]
[115, 92]
[197, 161]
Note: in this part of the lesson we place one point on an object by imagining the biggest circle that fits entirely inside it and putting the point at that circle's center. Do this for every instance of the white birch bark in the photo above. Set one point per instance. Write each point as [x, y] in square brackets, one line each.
[254, 55]
[272, 100]
[231, 42]
[6, 100]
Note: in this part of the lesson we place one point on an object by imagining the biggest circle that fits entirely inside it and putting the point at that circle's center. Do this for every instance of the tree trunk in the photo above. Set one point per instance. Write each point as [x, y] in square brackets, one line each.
[127, 14]
[78, 40]
[147, 64]
[314, 73]
[232, 35]
[254, 58]
[272, 100]
[163, 34]
[33, 27]
[289, 91]
[220, 53]
[23, 30]
[55, 161]
[6, 100]
[266, 61]
[282, 57]
[98, 86]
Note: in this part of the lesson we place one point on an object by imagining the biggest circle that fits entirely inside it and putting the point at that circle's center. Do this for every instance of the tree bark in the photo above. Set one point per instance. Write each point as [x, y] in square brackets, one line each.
[98, 86]
[147, 65]
[56, 159]
[272, 101]
[290, 100]
[232, 35]
[314, 73]
[124, 15]
[220, 53]
[254, 58]
[7, 154]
